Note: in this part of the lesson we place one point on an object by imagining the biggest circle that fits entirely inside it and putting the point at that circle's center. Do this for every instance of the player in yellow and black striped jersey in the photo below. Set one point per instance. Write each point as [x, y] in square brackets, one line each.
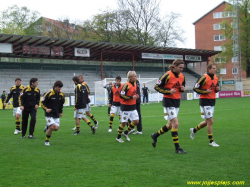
[52, 103]
[88, 108]
[81, 101]
[207, 86]
[171, 84]
[14, 93]
[29, 101]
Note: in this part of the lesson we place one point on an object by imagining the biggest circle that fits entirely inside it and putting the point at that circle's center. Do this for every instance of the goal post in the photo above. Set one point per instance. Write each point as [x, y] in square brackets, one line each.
[101, 93]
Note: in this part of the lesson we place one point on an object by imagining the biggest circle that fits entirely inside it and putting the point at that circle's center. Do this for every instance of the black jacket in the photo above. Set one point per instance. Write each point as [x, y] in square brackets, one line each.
[14, 92]
[81, 96]
[54, 101]
[29, 97]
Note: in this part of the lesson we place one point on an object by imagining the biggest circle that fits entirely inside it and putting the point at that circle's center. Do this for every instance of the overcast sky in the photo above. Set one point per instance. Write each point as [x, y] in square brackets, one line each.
[191, 10]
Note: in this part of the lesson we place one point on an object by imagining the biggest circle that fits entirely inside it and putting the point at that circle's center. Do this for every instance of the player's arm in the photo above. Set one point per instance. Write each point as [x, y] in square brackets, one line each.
[87, 88]
[197, 87]
[61, 103]
[159, 87]
[111, 96]
[37, 98]
[217, 88]
[44, 103]
[9, 96]
[124, 91]
[22, 97]
[182, 88]
[77, 94]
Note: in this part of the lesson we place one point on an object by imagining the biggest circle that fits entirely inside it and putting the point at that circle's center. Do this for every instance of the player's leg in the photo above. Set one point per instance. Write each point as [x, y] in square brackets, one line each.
[164, 128]
[89, 124]
[88, 109]
[133, 115]
[139, 125]
[32, 123]
[25, 118]
[17, 113]
[111, 118]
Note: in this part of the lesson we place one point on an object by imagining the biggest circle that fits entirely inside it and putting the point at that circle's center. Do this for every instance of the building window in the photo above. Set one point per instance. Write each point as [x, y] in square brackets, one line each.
[219, 37]
[227, 14]
[235, 59]
[218, 15]
[223, 71]
[222, 14]
[219, 26]
[220, 60]
[234, 70]
[219, 48]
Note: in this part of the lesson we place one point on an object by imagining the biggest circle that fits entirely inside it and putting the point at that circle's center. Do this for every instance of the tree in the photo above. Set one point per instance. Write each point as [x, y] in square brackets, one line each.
[168, 32]
[17, 20]
[142, 18]
[244, 27]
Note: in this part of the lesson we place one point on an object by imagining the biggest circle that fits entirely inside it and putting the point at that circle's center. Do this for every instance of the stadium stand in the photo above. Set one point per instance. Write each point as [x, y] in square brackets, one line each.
[47, 76]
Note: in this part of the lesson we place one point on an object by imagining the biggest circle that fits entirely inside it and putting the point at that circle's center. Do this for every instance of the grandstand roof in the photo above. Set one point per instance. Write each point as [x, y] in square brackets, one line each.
[98, 50]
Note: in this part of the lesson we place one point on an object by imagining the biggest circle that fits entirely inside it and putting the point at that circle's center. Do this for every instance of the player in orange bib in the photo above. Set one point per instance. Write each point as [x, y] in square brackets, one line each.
[171, 84]
[128, 96]
[114, 101]
[207, 86]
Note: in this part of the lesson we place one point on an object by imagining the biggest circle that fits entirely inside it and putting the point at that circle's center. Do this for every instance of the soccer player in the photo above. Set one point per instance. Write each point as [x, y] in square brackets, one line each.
[3, 97]
[17, 112]
[114, 101]
[52, 103]
[128, 96]
[207, 86]
[108, 87]
[29, 101]
[171, 84]
[145, 91]
[81, 101]
[138, 108]
[88, 108]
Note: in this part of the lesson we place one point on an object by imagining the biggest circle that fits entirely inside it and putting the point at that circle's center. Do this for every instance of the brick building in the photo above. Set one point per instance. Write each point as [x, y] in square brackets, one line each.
[208, 35]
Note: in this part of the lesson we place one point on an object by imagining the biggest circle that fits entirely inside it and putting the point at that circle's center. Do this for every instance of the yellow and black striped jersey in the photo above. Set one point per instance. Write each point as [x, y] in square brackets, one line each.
[53, 100]
[29, 97]
[14, 92]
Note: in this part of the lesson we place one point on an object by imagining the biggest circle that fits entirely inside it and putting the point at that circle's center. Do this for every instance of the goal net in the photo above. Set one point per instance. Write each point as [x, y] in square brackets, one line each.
[101, 93]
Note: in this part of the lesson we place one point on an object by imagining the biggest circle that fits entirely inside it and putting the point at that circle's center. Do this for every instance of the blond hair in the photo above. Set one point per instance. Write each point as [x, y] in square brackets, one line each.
[131, 74]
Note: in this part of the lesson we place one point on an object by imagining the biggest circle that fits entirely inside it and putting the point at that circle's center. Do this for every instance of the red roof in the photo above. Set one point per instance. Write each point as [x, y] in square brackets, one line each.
[62, 25]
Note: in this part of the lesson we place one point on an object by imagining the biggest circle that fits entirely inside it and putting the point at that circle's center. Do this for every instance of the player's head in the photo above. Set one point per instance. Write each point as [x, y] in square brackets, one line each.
[80, 78]
[75, 79]
[177, 66]
[211, 68]
[3, 91]
[34, 82]
[131, 75]
[18, 81]
[110, 83]
[58, 86]
[144, 84]
[118, 80]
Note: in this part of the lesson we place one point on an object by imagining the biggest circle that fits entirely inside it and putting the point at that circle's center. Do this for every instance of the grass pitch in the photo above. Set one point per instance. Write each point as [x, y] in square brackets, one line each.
[99, 160]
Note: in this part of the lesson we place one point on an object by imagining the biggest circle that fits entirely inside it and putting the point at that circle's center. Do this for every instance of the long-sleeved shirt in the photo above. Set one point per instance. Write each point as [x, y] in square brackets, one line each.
[15, 93]
[198, 89]
[159, 87]
[29, 97]
[81, 96]
[53, 100]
